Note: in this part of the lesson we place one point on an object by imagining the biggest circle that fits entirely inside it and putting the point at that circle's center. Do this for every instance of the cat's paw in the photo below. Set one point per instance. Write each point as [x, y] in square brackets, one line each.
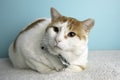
[57, 69]
[74, 69]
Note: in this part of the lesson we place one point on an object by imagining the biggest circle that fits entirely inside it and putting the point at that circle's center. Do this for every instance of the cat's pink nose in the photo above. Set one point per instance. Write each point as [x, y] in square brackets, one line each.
[57, 41]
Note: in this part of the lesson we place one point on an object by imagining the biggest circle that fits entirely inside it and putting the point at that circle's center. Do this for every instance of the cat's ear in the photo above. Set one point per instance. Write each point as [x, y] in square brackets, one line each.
[54, 14]
[88, 24]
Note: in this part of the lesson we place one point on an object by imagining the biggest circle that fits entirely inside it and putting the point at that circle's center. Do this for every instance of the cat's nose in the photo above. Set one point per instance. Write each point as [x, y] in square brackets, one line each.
[57, 40]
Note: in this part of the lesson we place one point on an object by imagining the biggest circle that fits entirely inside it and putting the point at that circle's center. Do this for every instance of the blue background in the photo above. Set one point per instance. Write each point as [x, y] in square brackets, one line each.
[16, 14]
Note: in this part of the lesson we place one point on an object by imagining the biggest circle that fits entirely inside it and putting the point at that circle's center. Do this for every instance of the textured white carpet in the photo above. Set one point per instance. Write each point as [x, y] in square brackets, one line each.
[103, 65]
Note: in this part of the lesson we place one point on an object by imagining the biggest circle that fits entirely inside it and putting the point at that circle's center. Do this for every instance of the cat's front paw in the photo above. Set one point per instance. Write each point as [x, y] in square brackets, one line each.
[74, 68]
[59, 69]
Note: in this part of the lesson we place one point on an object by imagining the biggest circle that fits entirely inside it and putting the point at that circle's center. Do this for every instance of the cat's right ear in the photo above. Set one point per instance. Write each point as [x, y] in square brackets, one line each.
[88, 24]
[54, 14]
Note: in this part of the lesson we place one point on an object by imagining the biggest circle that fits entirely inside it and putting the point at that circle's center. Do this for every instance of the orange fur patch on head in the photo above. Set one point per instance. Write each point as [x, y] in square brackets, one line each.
[77, 26]
[73, 25]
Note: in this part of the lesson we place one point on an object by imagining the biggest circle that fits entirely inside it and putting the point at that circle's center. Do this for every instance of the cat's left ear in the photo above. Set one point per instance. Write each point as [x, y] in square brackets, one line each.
[54, 14]
[88, 24]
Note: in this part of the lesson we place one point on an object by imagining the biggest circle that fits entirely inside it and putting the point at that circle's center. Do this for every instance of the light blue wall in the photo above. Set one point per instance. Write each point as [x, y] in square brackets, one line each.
[16, 14]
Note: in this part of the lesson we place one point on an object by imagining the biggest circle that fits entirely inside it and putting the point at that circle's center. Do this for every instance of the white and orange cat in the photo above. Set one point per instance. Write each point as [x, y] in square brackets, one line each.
[52, 45]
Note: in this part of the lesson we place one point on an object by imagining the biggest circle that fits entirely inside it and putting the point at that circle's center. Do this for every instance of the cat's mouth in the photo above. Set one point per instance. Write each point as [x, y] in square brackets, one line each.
[58, 47]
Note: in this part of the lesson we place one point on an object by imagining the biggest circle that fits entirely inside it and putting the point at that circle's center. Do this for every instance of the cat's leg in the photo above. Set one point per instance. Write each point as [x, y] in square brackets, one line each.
[39, 66]
[75, 68]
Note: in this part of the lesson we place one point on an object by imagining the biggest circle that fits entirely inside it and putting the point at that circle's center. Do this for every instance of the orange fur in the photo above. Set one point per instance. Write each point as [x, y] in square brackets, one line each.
[73, 24]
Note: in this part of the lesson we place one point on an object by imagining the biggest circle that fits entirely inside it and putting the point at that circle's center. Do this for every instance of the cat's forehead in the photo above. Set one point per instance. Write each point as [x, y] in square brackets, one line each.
[68, 22]
[61, 24]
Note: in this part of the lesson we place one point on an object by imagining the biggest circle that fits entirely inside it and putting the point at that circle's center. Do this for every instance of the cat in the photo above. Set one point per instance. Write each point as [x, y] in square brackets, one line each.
[52, 44]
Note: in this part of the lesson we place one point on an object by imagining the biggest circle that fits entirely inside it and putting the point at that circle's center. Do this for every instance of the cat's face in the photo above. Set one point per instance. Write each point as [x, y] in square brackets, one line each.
[67, 34]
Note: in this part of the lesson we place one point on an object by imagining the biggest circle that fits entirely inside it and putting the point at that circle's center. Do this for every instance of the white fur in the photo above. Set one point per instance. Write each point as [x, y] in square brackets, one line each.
[30, 55]
[73, 50]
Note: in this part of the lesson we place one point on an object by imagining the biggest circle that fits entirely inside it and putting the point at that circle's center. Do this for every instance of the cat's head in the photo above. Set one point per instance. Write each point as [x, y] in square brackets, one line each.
[66, 33]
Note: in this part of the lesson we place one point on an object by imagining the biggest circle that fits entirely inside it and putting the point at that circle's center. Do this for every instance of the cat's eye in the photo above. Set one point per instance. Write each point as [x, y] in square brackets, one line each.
[56, 29]
[71, 34]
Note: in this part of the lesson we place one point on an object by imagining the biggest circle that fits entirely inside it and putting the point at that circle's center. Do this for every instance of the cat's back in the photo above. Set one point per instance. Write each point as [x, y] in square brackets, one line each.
[27, 41]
